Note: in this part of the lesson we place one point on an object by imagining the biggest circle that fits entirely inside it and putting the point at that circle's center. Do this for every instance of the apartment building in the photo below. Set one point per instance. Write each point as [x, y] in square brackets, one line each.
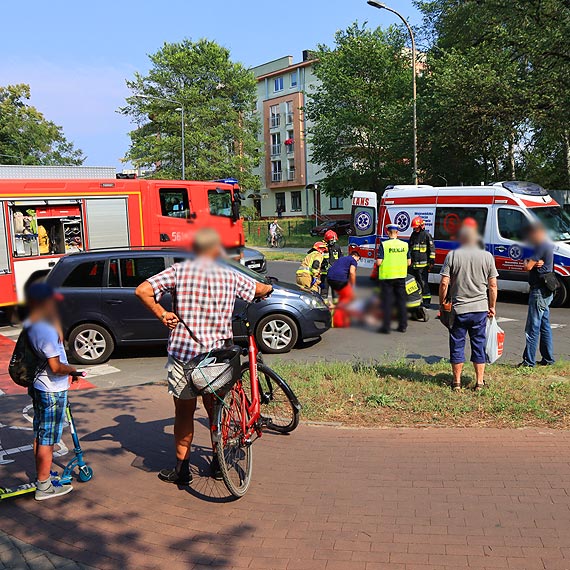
[286, 169]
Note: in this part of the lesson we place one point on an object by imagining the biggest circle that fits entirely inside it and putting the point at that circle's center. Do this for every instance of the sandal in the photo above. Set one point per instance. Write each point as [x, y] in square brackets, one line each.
[456, 387]
[479, 387]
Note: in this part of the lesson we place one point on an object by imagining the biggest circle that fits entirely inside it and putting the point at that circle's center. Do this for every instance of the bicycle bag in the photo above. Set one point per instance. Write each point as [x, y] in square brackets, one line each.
[25, 365]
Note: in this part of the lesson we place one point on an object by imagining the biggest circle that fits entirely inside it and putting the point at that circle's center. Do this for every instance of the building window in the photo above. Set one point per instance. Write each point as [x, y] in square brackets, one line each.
[296, 201]
[289, 112]
[280, 202]
[275, 144]
[290, 169]
[278, 85]
[276, 173]
[294, 78]
[274, 117]
[337, 203]
[290, 142]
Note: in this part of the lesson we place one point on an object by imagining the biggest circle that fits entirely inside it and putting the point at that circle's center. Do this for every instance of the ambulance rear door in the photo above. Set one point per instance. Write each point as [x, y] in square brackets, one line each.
[364, 226]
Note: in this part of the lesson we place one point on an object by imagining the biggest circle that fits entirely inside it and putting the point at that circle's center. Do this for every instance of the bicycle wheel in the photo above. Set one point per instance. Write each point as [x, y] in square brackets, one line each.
[279, 405]
[280, 241]
[234, 453]
[268, 241]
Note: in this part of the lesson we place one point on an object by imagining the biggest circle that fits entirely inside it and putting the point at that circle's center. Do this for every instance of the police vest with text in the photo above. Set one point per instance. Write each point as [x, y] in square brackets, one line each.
[395, 263]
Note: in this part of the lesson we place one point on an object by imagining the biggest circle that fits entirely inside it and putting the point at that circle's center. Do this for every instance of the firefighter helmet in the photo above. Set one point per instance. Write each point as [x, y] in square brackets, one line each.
[320, 246]
[330, 236]
[418, 222]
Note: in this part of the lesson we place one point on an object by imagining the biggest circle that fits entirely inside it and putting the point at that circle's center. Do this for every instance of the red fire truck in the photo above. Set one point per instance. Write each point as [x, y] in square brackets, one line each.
[43, 219]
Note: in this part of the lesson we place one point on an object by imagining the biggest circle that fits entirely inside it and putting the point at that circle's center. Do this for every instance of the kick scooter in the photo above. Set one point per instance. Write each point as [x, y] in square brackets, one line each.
[85, 473]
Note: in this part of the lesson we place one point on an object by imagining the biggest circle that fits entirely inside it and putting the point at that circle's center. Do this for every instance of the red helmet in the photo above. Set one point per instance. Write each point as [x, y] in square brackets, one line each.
[320, 246]
[330, 236]
[418, 222]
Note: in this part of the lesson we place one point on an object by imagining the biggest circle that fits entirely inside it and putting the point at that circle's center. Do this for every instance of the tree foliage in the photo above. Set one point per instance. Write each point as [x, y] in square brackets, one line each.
[361, 115]
[218, 96]
[27, 137]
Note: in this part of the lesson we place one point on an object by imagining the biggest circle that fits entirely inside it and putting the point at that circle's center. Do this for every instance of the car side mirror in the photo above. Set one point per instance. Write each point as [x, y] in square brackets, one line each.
[348, 231]
[235, 210]
[272, 280]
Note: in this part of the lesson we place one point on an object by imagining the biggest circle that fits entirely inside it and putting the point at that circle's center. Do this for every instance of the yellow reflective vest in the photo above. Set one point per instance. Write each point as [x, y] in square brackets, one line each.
[395, 263]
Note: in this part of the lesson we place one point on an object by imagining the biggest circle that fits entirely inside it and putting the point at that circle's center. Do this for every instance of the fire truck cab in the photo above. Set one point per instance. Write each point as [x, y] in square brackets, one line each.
[43, 219]
[502, 210]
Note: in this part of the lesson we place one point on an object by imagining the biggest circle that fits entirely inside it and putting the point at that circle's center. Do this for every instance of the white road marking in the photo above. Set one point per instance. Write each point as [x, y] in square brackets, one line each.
[100, 370]
[10, 331]
[556, 326]
[506, 320]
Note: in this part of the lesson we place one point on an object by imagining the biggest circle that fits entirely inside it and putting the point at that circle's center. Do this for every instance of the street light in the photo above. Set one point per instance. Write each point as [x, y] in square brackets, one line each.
[382, 6]
[181, 108]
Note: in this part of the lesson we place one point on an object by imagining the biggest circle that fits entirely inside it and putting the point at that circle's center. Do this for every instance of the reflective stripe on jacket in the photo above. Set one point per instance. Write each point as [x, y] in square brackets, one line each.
[422, 249]
[312, 264]
[395, 263]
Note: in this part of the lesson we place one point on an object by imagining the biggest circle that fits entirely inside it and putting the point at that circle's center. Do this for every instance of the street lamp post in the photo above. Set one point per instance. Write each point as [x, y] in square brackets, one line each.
[382, 6]
[181, 109]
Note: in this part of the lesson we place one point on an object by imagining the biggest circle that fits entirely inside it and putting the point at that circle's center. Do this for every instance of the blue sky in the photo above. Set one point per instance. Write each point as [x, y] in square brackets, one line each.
[76, 55]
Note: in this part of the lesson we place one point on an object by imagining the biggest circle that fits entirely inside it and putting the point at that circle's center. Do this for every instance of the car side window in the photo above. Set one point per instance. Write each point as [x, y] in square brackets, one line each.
[114, 273]
[448, 221]
[135, 270]
[512, 224]
[87, 274]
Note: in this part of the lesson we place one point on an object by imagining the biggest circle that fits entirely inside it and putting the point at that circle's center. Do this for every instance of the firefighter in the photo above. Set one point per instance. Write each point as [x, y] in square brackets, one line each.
[393, 259]
[422, 254]
[309, 273]
[332, 254]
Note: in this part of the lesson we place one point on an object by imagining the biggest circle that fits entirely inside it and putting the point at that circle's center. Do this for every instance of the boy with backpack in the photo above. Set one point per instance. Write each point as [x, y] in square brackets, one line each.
[39, 362]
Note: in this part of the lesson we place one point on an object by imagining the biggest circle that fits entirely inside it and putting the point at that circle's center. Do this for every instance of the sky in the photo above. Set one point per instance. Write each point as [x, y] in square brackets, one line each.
[76, 56]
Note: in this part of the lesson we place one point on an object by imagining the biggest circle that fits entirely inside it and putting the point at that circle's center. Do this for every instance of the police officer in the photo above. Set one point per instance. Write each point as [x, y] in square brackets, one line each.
[332, 254]
[393, 260]
[422, 254]
[309, 273]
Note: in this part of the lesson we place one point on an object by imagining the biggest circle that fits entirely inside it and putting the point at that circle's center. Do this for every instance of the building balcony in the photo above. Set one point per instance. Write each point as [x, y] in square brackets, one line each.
[291, 174]
[290, 148]
[275, 149]
[289, 118]
[275, 121]
[276, 176]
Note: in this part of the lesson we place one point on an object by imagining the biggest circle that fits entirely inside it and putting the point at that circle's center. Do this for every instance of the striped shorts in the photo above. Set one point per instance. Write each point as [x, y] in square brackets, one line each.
[49, 415]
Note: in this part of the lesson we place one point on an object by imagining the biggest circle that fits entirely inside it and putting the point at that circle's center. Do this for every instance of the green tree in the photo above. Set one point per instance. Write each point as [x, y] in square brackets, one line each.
[27, 137]
[219, 98]
[361, 112]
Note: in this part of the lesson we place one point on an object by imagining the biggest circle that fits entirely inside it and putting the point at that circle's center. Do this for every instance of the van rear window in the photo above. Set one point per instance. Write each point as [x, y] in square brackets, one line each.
[449, 220]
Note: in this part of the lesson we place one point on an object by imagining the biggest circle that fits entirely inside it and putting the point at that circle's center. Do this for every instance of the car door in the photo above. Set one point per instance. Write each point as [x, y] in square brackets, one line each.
[132, 320]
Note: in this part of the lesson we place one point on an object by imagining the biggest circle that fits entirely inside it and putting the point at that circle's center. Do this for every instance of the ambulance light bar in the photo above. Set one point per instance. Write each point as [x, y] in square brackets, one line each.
[527, 188]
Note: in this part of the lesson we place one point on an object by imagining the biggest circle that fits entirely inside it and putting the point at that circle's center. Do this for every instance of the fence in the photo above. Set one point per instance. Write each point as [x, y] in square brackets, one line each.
[296, 232]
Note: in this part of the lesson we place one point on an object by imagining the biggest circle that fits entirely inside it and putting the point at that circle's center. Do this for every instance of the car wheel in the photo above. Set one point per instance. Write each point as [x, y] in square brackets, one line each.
[276, 334]
[560, 295]
[90, 344]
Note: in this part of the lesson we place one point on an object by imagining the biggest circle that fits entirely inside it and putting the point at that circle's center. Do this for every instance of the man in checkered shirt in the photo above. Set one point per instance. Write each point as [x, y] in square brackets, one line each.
[204, 293]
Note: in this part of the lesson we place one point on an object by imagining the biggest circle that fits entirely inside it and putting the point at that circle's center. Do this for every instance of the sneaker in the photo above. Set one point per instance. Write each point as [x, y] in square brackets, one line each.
[402, 329]
[52, 491]
[171, 476]
[545, 363]
[524, 364]
[215, 470]
[384, 331]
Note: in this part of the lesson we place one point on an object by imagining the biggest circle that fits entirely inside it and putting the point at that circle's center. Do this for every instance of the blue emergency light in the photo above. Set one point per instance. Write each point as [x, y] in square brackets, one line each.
[232, 181]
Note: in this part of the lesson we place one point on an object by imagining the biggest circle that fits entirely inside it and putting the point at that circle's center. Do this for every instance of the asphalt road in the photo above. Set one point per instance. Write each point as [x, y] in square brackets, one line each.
[423, 341]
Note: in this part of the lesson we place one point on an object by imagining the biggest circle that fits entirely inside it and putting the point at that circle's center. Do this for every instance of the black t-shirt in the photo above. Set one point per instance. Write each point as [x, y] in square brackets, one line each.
[544, 252]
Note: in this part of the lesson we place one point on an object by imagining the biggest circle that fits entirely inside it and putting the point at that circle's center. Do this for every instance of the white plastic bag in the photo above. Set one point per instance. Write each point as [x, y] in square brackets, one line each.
[495, 341]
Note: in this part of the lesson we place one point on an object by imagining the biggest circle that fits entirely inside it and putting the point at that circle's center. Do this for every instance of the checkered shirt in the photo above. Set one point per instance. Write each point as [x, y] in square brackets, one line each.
[203, 295]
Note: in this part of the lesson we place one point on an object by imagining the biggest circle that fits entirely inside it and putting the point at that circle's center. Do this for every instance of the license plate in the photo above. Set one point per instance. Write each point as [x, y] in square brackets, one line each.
[254, 265]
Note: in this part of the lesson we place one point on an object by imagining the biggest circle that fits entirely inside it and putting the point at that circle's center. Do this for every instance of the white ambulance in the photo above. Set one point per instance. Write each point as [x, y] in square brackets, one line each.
[502, 210]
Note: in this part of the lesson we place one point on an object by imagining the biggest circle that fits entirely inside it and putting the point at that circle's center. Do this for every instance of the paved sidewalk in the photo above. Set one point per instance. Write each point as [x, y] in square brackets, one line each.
[322, 498]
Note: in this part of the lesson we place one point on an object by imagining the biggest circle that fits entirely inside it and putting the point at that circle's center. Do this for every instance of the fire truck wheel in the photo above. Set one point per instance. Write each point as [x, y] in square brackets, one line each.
[90, 344]
[560, 295]
[276, 334]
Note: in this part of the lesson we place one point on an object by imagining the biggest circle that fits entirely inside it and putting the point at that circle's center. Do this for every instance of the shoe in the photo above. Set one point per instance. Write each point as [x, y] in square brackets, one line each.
[382, 330]
[545, 363]
[171, 476]
[54, 490]
[402, 329]
[215, 470]
[524, 365]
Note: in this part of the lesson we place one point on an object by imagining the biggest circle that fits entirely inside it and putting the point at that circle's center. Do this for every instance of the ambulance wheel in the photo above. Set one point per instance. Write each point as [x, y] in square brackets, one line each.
[90, 344]
[85, 474]
[560, 295]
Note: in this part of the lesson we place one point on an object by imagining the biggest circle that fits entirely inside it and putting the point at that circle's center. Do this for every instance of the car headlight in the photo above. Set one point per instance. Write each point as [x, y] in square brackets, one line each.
[313, 302]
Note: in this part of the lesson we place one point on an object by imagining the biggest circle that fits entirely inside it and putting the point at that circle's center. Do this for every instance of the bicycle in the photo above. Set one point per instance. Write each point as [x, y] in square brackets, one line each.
[278, 242]
[264, 400]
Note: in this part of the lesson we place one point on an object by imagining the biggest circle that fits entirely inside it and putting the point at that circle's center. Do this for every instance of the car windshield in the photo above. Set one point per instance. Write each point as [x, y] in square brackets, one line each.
[556, 221]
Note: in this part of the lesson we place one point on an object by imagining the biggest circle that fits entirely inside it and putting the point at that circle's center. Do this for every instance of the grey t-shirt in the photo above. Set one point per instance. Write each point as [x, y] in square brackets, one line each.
[469, 270]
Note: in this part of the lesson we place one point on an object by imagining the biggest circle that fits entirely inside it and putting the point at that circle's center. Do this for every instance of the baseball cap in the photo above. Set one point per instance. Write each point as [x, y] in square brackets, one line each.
[393, 227]
[42, 292]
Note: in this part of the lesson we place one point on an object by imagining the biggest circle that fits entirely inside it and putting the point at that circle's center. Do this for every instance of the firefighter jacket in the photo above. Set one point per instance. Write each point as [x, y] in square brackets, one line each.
[422, 249]
[312, 264]
[333, 253]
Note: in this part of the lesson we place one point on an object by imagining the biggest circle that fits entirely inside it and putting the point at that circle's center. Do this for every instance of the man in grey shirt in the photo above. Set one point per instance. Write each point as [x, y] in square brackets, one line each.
[470, 275]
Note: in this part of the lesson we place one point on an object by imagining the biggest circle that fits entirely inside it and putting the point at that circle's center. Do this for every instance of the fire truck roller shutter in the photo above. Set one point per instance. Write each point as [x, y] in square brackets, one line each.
[107, 222]
[4, 260]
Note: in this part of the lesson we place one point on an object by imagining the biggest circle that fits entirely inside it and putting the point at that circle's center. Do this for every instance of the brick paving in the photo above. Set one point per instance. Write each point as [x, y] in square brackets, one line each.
[323, 498]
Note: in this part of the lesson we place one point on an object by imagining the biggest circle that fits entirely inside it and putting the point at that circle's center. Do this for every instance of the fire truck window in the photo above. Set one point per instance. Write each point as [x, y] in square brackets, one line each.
[448, 221]
[512, 224]
[135, 270]
[174, 202]
[220, 203]
[89, 274]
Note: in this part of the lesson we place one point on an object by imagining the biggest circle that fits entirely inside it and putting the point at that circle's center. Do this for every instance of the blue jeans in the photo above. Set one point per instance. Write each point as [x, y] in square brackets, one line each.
[475, 324]
[537, 331]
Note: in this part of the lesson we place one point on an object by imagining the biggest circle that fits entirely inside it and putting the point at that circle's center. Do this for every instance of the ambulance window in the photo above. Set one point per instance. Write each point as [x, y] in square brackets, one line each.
[174, 202]
[89, 274]
[135, 270]
[448, 221]
[512, 224]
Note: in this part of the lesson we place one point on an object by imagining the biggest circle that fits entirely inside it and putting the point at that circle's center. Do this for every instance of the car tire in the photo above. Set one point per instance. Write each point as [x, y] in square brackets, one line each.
[276, 334]
[560, 295]
[90, 344]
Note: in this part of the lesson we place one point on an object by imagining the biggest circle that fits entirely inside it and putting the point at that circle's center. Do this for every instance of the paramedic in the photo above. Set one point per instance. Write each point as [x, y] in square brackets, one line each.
[393, 260]
[342, 279]
[542, 283]
[422, 254]
[309, 273]
[331, 255]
